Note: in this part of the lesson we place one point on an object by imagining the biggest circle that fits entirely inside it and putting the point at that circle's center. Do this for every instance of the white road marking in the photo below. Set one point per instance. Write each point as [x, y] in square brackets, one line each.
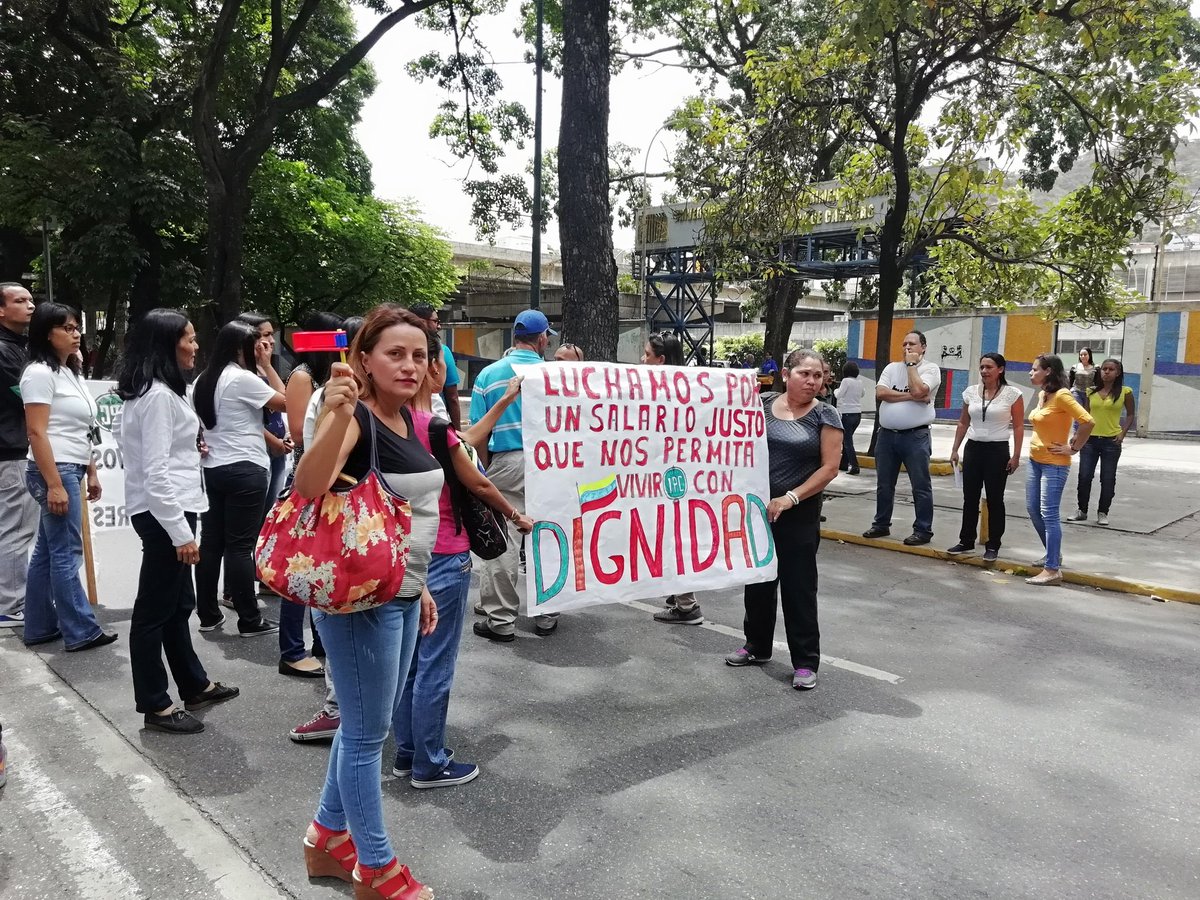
[848, 665]
[231, 874]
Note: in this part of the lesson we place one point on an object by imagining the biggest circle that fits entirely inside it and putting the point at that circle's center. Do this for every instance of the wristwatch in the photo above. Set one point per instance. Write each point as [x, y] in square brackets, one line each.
[910, 365]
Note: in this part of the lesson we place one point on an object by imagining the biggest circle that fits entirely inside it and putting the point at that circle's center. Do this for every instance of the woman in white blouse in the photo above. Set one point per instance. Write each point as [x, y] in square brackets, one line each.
[61, 417]
[156, 430]
[991, 411]
[229, 398]
[849, 396]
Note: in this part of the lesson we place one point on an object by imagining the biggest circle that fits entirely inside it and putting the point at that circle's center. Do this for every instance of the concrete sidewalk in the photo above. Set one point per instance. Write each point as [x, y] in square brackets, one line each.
[1150, 548]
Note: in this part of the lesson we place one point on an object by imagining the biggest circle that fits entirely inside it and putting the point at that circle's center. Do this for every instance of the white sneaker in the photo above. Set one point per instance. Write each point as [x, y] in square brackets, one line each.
[1102, 519]
[13, 620]
[1080, 516]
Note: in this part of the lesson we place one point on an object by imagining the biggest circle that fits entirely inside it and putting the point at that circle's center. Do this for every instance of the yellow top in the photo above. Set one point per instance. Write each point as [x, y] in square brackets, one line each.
[1052, 425]
[1107, 412]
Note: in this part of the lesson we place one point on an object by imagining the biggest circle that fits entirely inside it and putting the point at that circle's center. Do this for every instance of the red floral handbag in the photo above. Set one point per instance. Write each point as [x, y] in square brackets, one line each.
[343, 552]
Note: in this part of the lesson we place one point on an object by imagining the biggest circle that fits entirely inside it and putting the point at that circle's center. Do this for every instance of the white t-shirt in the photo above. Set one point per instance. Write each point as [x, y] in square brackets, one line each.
[72, 410]
[849, 396]
[995, 422]
[908, 413]
[239, 400]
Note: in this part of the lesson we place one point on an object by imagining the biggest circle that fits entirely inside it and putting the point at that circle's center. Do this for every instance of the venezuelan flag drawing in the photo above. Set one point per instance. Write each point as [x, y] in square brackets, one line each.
[598, 494]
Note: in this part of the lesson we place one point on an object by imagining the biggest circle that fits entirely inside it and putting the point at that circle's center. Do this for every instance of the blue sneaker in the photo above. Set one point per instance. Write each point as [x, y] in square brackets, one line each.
[454, 773]
[402, 767]
[16, 620]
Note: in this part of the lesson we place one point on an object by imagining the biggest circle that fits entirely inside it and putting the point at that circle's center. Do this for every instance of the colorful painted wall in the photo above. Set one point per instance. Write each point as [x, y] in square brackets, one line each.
[1161, 355]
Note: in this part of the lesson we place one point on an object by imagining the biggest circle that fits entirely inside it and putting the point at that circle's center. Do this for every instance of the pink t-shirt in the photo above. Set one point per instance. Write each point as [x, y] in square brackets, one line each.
[448, 541]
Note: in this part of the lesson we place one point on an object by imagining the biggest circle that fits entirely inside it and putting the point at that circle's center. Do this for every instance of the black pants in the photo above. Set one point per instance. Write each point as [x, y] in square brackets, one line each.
[1107, 452]
[164, 604]
[228, 534]
[797, 536]
[850, 423]
[985, 467]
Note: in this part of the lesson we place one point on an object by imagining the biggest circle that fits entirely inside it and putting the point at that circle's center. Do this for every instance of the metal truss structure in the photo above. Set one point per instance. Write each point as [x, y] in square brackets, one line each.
[679, 289]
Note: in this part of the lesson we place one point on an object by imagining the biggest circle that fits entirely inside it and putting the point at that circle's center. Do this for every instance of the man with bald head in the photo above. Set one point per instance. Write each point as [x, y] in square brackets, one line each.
[18, 510]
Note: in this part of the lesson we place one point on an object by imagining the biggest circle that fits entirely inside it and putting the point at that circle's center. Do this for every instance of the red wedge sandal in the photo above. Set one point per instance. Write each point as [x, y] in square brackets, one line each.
[401, 886]
[324, 861]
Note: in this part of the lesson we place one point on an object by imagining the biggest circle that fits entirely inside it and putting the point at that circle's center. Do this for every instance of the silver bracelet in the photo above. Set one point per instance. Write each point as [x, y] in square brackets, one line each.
[795, 500]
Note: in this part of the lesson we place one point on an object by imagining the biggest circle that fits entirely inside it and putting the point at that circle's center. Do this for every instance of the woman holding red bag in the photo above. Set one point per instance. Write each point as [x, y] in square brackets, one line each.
[365, 418]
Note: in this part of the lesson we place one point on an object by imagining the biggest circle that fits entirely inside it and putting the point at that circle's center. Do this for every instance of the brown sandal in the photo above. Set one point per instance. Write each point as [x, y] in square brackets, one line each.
[323, 861]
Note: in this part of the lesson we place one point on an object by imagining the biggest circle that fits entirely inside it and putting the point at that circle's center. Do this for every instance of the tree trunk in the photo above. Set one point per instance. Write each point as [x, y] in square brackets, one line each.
[227, 206]
[101, 367]
[782, 294]
[590, 300]
[146, 292]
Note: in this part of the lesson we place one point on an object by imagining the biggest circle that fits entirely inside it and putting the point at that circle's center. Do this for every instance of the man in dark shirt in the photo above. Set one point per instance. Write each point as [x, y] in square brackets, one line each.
[18, 510]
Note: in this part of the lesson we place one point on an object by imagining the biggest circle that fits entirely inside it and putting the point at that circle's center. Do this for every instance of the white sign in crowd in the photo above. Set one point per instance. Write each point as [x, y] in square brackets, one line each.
[642, 481]
[109, 511]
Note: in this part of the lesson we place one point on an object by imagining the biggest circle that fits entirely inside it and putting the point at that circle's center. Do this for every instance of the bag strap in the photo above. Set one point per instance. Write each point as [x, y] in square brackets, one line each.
[439, 443]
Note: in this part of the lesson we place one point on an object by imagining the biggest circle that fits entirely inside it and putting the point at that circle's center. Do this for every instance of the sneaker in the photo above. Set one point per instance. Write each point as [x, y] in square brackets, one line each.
[402, 767]
[218, 693]
[453, 773]
[1102, 519]
[13, 620]
[213, 626]
[960, 547]
[743, 657]
[257, 629]
[674, 615]
[227, 601]
[175, 722]
[804, 679]
[990, 555]
[321, 727]
[874, 532]
[1080, 516]
[916, 539]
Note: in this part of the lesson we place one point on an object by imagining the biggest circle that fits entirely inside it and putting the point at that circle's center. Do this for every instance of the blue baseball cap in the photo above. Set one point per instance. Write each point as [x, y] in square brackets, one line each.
[531, 322]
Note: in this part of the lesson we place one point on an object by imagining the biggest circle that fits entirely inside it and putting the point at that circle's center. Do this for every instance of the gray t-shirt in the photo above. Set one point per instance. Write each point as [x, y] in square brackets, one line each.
[794, 445]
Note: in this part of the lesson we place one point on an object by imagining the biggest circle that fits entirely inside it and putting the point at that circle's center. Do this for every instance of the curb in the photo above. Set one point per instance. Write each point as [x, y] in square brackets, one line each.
[1103, 582]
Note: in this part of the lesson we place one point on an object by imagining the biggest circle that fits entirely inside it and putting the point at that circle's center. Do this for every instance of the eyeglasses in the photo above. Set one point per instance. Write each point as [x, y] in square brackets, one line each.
[70, 329]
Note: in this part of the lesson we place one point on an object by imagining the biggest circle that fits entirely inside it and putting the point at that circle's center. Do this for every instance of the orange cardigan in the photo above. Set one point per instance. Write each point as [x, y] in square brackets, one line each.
[1052, 425]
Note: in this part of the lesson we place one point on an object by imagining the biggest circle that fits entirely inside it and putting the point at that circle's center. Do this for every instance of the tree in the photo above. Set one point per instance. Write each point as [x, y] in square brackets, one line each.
[1112, 74]
[286, 77]
[590, 311]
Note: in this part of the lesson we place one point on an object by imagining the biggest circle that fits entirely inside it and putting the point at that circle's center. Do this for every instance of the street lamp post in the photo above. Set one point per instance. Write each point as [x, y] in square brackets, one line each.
[535, 276]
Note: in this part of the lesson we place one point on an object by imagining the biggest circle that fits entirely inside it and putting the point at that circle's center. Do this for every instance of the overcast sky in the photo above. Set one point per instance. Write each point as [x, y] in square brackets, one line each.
[407, 163]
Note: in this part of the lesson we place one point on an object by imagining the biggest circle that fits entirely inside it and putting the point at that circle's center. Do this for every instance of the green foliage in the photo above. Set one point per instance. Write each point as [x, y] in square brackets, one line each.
[745, 352]
[313, 244]
[834, 351]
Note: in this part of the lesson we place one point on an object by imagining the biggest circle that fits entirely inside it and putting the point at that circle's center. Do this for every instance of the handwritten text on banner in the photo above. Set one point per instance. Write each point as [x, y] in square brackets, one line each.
[643, 481]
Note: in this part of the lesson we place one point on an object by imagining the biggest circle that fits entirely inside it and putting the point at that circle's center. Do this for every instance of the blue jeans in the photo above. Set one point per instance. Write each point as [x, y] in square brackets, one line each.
[368, 650]
[1107, 452]
[912, 450]
[54, 597]
[1043, 496]
[420, 719]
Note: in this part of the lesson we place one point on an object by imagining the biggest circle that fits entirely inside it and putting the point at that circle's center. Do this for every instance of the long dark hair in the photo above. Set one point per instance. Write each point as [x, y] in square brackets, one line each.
[667, 345]
[47, 317]
[1057, 379]
[152, 354]
[235, 344]
[1114, 393]
[319, 364]
[1091, 359]
[998, 359]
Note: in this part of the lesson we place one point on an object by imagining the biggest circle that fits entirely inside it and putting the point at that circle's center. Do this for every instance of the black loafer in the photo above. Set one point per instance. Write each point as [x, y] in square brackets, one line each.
[102, 640]
[544, 630]
[877, 532]
[286, 668]
[482, 629]
[219, 693]
[915, 539]
[176, 722]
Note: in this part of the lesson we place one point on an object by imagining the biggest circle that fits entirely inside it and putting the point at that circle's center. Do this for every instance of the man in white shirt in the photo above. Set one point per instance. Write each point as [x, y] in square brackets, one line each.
[905, 393]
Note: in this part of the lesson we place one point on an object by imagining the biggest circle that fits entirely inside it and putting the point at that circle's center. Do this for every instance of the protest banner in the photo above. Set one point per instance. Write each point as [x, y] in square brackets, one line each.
[109, 511]
[642, 481]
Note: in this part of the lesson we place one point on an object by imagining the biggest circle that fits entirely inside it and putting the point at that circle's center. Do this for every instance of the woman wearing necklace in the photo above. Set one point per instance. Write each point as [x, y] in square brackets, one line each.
[804, 446]
[61, 417]
[991, 410]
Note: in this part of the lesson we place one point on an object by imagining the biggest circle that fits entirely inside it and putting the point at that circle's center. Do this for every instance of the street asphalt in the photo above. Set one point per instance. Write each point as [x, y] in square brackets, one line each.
[970, 737]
